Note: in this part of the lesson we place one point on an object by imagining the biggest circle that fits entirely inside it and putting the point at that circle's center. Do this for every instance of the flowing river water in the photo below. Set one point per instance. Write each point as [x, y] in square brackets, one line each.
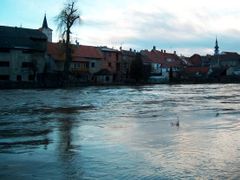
[121, 132]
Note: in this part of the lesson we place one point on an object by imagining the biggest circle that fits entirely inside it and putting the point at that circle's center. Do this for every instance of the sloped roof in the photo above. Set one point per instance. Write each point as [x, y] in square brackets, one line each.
[87, 52]
[44, 24]
[226, 56]
[229, 56]
[163, 58]
[128, 53]
[195, 60]
[22, 38]
[107, 49]
[57, 51]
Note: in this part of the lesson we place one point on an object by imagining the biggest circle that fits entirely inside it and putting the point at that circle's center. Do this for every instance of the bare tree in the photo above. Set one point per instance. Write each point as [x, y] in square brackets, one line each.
[68, 16]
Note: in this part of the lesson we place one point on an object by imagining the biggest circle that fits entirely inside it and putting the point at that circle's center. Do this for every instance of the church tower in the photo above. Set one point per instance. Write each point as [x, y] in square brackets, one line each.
[46, 30]
[216, 51]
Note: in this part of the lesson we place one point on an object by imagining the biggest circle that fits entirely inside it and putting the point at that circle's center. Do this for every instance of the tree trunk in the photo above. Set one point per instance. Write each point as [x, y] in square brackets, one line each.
[68, 57]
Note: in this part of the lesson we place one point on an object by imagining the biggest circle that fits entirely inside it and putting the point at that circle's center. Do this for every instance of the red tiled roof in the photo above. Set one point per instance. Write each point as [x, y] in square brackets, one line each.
[57, 51]
[163, 58]
[195, 60]
[86, 52]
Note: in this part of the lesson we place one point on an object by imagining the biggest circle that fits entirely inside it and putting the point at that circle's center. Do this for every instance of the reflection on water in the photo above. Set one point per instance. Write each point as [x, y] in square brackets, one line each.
[121, 133]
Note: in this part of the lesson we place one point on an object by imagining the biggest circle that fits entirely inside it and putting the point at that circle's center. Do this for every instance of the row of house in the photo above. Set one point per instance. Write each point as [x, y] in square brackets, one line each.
[27, 54]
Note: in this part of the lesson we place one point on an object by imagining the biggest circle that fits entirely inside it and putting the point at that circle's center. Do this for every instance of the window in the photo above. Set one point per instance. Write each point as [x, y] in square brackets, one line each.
[117, 57]
[31, 77]
[92, 64]
[86, 65]
[118, 66]
[27, 65]
[19, 78]
[107, 78]
[4, 50]
[4, 77]
[4, 64]
[110, 64]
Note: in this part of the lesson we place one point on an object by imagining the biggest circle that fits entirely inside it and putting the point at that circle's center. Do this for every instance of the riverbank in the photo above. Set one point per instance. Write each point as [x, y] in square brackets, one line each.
[69, 84]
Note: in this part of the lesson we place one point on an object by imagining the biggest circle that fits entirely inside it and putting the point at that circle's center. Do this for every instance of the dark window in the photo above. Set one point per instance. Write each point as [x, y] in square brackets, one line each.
[118, 66]
[19, 78]
[4, 50]
[31, 77]
[110, 64]
[4, 64]
[27, 65]
[4, 77]
[107, 78]
[92, 64]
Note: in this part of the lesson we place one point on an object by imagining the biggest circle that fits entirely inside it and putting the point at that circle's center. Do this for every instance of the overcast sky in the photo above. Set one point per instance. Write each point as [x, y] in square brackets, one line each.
[186, 26]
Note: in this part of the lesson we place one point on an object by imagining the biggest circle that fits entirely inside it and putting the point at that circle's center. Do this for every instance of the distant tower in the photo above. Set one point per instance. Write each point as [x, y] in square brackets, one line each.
[216, 51]
[45, 29]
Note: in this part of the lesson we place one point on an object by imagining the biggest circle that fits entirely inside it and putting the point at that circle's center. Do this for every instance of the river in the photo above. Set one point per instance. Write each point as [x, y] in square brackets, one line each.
[121, 132]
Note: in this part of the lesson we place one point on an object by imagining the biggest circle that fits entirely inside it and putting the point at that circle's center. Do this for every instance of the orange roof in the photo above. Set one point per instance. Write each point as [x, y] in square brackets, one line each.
[195, 60]
[163, 58]
[57, 51]
[86, 52]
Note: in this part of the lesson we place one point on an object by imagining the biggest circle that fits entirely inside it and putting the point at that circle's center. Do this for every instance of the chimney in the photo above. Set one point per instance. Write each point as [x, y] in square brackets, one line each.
[154, 48]
[174, 52]
[164, 51]
[120, 48]
[77, 43]
[130, 49]
[161, 51]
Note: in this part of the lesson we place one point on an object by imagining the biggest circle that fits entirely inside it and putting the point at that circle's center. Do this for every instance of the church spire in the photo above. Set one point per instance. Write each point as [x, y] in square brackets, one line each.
[45, 29]
[45, 24]
[216, 51]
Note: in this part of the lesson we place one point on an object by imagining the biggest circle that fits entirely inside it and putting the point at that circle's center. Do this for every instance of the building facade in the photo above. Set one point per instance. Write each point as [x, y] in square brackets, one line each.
[22, 54]
[86, 60]
[110, 58]
[164, 66]
[126, 57]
